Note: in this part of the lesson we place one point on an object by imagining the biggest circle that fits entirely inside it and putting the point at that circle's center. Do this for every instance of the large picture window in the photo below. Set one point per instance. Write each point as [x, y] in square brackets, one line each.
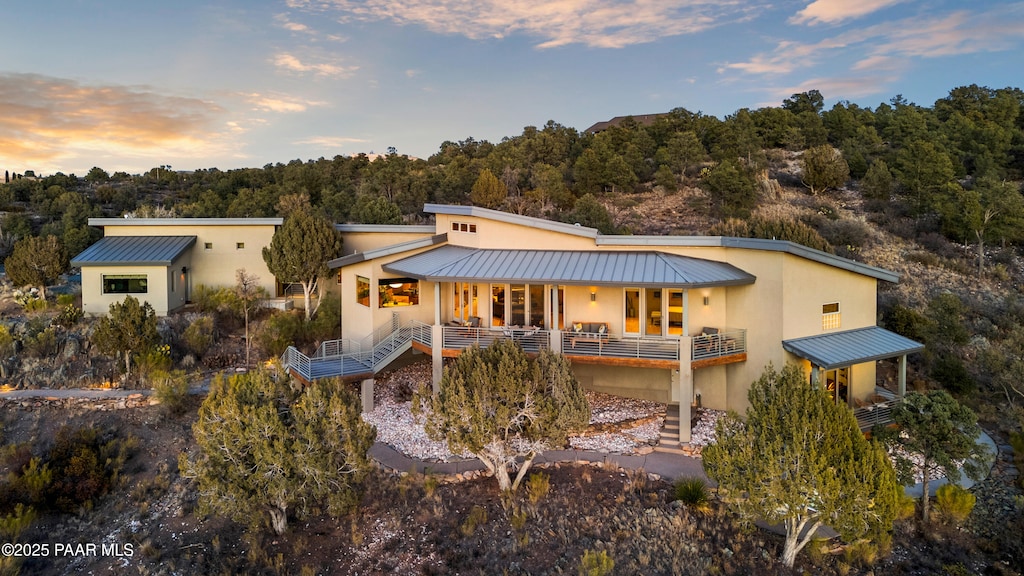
[398, 292]
[363, 291]
[125, 284]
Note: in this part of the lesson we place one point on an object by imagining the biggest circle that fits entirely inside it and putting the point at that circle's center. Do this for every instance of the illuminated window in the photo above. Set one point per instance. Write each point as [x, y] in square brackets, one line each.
[363, 291]
[830, 317]
[398, 292]
[125, 284]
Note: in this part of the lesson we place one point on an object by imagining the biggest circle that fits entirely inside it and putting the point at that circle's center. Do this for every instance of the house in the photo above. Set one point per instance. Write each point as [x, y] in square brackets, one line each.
[678, 319]
[162, 260]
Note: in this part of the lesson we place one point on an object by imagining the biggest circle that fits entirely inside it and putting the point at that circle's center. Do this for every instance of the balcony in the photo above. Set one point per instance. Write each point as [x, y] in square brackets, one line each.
[718, 346]
[457, 338]
[624, 350]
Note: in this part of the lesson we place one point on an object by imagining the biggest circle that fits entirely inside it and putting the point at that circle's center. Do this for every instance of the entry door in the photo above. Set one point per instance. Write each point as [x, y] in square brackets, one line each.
[556, 308]
[633, 309]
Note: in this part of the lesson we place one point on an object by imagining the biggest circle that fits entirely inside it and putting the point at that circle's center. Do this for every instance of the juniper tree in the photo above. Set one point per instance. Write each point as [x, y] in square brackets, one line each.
[37, 261]
[500, 406]
[824, 168]
[800, 460]
[943, 432]
[264, 451]
[129, 327]
[300, 250]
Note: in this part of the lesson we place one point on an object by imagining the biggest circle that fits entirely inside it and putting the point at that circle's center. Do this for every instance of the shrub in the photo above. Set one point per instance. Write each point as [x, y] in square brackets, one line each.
[278, 332]
[951, 372]
[477, 516]
[199, 335]
[850, 233]
[171, 389]
[155, 361]
[327, 322]
[537, 487]
[861, 553]
[693, 492]
[69, 316]
[953, 503]
[41, 343]
[594, 563]
[772, 228]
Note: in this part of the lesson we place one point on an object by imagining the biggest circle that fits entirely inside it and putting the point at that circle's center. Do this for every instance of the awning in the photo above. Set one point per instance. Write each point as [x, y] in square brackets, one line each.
[572, 267]
[839, 349]
[134, 251]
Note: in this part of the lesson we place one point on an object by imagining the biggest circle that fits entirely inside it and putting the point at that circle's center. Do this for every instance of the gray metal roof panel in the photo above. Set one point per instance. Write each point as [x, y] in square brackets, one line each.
[134, 250]
[387, 251]
[838, 349]
[399, 228]
[648, 268]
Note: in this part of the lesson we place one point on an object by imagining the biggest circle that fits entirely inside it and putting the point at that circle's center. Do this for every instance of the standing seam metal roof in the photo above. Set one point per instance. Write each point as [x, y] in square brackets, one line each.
[134, 250]
[648, 268]
[849, 347]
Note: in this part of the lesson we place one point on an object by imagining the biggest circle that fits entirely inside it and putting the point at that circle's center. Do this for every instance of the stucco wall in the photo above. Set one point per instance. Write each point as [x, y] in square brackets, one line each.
[159, 294]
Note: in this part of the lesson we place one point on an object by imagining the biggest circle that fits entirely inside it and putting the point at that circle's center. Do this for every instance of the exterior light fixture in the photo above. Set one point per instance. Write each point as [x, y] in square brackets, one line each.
[593, 294]
[183, 269]
[395, 284]
[706, 300]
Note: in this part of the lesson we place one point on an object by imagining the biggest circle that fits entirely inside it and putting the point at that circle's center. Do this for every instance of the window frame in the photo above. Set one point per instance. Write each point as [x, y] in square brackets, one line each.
[140, 281]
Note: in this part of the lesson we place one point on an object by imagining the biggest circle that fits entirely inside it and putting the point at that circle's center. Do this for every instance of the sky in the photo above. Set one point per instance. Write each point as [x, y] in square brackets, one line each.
[128, 85]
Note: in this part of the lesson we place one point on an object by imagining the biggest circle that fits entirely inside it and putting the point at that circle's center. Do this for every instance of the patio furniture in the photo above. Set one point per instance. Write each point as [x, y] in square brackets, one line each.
[589, 332]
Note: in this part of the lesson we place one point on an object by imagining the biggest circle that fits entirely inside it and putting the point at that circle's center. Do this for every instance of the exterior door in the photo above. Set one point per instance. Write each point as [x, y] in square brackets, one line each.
[632, 323]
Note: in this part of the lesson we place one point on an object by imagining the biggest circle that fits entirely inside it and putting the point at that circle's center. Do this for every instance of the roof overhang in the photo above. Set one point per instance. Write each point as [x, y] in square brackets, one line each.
[849, 347]
[101, 222]
[570, 267]
[387, 251]
[134, 251]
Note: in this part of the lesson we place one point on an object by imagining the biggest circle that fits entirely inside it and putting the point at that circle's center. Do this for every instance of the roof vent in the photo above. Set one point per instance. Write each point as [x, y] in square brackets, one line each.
[576, 224]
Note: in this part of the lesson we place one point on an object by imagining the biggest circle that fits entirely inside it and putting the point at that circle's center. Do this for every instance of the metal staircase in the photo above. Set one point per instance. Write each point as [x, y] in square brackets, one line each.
[357, 359]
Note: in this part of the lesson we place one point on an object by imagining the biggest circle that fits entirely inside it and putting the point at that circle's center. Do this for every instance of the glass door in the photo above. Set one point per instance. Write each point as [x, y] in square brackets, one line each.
[675, 312]
[632, 306]
[536, 305]
[517, 305]
[497, 305]
[655, 323]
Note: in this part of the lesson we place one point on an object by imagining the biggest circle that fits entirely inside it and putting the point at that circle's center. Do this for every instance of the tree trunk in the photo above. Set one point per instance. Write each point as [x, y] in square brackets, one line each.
[981, 253]
[504, 482]
[279, 519]
[42, 291]
[522, 472]
[924, 494]
[794, 544]
[127, 362]
[306, 289]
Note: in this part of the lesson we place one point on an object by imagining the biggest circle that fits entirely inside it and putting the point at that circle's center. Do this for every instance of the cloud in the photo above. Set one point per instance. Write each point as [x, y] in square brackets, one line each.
[49, 121]
[328, 141]
[833, 11]
[594, 23]
[895, 42]
[848, 87]
[292, 63]
[281, 103]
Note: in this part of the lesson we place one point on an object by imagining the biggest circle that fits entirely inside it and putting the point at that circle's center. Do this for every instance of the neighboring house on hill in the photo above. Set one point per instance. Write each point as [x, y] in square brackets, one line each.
[161, 260]
[677, 319]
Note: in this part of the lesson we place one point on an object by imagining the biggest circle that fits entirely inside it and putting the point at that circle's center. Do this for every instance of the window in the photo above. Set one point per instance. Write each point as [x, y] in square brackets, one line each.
[363, 291]
[125, 284]
[398, 292]
[464, 227]
[239, 245]
[207, 245]
[830, 317]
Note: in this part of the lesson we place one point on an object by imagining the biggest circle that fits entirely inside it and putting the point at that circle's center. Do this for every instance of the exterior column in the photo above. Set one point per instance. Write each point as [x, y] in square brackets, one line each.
[366, 394]
[902, 390]
[815, 377]
[436, 358]
[437, 303]
[686, 312]
[555, 341]
[685, 387]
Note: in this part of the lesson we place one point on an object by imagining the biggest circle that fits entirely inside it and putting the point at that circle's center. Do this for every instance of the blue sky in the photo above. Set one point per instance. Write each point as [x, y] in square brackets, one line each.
[129, 85]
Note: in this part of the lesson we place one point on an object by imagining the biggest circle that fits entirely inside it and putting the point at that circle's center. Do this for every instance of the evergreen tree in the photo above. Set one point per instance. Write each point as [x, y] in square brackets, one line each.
[128, 328]
[801, 460]
[488, 191]
[942, 432]
[264, 451]
[300, 250]
[824, 168]
[501, 406]
[36, 261]
[878, 182]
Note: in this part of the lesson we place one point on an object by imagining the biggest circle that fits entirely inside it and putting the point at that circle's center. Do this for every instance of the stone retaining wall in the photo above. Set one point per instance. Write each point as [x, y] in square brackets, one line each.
[104, 404]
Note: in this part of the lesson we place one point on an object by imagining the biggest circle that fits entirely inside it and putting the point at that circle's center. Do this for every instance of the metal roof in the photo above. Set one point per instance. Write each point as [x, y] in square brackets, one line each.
[358, 257]
[849, 347]
[134, 250]
[589, 268]
[397, 228]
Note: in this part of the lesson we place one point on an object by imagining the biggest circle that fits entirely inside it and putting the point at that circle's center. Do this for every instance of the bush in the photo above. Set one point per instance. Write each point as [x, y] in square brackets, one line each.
[199, 335]
[693, 492]
[40, 343]
[171, 389]
[596, 563]
[153, 362]
[327, 323]
[954, 504]
[850, 233]
[951, 372]
[69, 316]
[772, 228]
[279, 331]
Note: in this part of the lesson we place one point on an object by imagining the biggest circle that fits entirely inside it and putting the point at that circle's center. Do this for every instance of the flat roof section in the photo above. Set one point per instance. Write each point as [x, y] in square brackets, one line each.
[134, 251]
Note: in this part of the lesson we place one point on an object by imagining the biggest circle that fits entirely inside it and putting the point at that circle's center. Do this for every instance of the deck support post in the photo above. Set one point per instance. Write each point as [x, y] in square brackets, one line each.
[366, 394]
[685, 387]
[902, 389]
[436, 355]
[555, 341]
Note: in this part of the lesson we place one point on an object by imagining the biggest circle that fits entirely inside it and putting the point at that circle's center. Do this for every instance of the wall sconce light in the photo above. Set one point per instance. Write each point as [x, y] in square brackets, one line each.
[593, 294]
[706, 299]
[183, 269]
